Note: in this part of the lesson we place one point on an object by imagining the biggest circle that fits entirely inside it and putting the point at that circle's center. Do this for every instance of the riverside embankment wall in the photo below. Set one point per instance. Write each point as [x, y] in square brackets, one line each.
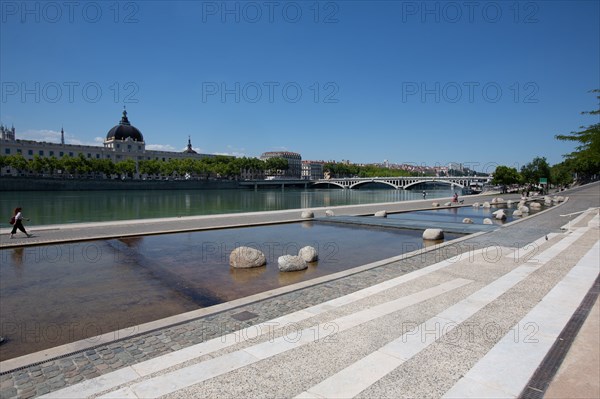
[41, 184]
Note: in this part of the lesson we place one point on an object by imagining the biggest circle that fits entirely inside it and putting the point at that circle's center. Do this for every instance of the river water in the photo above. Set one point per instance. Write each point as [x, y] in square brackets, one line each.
[59, 207]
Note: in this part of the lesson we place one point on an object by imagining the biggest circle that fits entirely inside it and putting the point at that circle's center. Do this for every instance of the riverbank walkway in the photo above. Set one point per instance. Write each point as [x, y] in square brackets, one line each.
[62, 233]
[491, 315]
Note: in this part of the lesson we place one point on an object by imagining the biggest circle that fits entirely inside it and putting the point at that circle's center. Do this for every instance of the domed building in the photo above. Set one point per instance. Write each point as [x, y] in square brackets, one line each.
[123, 141]
[125, 137]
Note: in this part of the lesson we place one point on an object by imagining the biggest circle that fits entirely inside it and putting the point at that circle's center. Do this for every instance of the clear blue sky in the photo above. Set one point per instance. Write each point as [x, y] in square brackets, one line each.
[481, 83]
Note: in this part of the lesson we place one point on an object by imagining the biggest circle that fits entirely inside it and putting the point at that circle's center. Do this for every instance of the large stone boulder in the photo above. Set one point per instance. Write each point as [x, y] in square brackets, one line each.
[517, 213]
[468, 221]
[433, 234]
[499, 215]
[486, 204]
[307, 215]
[476, 205]
[309, 254]
[448, 203]
[535, 206]
[329, 212]
[435, 204]
[510, 203]
[524, 209]
[291, 263]
[381, 214]
[247, 257]
[487, 221]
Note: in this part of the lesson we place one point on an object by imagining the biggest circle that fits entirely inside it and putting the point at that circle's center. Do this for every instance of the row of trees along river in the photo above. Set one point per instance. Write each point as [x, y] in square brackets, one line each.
[583, 164]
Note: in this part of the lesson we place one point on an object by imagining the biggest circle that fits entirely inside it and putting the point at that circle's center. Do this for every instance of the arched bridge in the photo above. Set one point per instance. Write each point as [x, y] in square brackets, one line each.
[403, 182]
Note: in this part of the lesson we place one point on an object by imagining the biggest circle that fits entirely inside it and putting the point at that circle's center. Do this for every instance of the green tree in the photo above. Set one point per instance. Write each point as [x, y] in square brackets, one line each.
[150, 167]
[18, 162]
[276, 165]
[536, 169]
[562, 173]
[505, 176]
[585, 160]
[104, 166]
[38, 164]
[52, 164]
[126, 167]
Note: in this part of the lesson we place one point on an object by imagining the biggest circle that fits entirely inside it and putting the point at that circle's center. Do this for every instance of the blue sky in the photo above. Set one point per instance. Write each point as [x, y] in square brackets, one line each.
[480, 83]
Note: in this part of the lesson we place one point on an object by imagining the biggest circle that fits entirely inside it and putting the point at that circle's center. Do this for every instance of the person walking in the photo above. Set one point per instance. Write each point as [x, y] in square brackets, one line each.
[18, 223]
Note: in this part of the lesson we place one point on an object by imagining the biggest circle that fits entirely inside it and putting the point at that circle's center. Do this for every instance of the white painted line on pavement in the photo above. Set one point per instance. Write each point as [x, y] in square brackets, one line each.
[529, 250]
[191, 375]
[344, 384]
[505, 370]
[115, 378]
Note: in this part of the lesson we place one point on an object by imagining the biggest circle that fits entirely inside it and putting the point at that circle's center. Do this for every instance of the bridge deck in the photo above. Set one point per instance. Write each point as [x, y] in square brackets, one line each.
[448, 227]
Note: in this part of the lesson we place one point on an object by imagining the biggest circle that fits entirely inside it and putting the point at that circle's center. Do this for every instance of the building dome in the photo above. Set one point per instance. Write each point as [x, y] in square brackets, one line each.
[189, 149]
[124, 130]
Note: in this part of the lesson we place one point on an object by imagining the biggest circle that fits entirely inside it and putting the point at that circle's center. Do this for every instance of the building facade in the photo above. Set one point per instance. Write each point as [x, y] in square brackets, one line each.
[294, 160]
[312, 170]
[123, 141]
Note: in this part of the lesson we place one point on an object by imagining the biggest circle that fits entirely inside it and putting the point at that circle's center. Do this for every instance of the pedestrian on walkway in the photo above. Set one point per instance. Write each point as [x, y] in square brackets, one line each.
[424, 194]
[17, 221]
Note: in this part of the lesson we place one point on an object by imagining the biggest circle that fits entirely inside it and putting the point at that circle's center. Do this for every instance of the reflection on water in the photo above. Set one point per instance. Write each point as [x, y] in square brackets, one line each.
[457, 214]
[51, 295]
[59, 207]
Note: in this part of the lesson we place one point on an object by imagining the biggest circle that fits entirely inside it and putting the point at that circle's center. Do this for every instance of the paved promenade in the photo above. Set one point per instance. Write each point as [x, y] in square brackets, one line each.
[487, 316]
[49, 234]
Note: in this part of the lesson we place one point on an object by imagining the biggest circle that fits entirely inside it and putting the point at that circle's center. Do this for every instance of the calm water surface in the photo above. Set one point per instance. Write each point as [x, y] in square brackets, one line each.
[58, 207]
[54, 294]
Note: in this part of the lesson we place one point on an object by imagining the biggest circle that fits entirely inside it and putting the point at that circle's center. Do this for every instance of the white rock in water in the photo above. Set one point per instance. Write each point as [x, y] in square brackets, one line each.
[435, 204]
[509, 203]
[329, 212]
[381, 214]
[517, 213]
[308, 253]
[524, 209]
[486, 204]
[433, 234]
[468, 220]
[307, 215]
[246, 257]
[476, 205]
[535, 205]
[291, 263]
[487, 221]
[500, 215]
[448, 204]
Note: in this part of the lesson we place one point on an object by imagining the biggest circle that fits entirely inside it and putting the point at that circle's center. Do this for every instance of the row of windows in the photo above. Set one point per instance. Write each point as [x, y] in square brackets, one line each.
[50, 153]
[61, 154]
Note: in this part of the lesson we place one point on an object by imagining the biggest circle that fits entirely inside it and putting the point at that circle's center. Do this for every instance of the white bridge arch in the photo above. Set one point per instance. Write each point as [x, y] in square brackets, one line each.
[403, 182]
